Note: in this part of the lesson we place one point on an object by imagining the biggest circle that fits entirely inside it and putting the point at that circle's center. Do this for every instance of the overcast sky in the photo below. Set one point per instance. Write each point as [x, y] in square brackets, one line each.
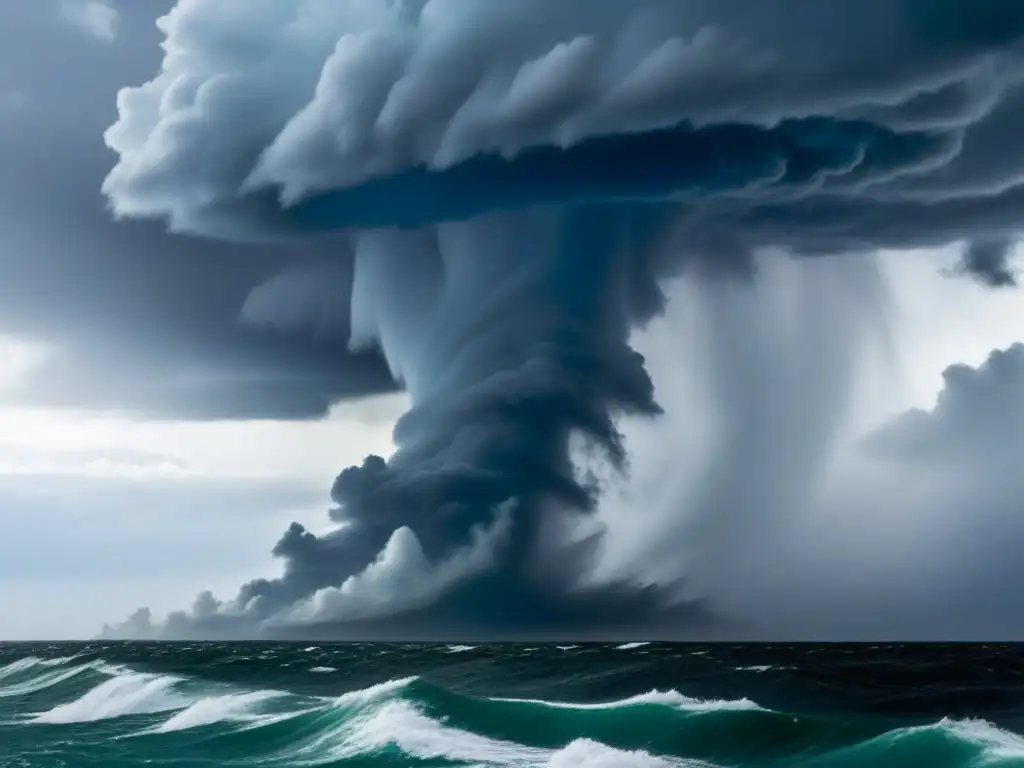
[153, 443]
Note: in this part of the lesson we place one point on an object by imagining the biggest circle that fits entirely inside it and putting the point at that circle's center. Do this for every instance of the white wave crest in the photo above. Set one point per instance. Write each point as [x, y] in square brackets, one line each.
[20, 665]
[323, 670]
[59, 661]
[374, 693]
[401, 725]
[230, 708]
[998, 745]
[584, 753]
[630, 646]
[461, 648]
[669, 698]
[51, 675]
[128, 693]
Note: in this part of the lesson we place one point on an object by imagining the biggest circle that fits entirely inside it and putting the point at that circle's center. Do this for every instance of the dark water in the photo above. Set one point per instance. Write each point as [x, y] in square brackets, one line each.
[593, 706]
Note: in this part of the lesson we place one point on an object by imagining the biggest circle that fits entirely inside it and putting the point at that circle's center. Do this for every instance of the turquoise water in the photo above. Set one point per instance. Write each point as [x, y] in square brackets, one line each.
[546, 706]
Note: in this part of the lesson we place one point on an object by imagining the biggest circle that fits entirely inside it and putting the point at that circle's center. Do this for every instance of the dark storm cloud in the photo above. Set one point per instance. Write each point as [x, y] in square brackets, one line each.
[515, 184]
[135, 319]
[850, 111]
[487, 441]
[988, 261]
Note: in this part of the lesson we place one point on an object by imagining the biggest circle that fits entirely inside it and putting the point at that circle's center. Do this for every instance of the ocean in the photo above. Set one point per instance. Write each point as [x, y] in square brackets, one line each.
[546, 706]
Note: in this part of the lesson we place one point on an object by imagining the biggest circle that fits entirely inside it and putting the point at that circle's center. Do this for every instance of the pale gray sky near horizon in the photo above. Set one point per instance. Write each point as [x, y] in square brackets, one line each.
[132, 467]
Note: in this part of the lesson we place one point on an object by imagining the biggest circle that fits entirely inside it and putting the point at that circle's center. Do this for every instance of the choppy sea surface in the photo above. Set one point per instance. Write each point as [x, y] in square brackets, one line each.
[581, 706]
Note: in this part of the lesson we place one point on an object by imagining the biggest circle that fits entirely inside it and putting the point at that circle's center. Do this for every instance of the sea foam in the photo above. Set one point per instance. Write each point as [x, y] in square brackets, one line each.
[233, 707]
[996, 743]
[401, 725]
[374, 693]
[669, 698]
[129, 693]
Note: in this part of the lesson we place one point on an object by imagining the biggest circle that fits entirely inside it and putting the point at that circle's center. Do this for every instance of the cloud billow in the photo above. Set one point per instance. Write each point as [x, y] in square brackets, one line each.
[515, 185]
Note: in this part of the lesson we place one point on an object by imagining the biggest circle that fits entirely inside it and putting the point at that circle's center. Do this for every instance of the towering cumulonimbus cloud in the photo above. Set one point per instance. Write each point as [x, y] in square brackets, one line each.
[517, 181]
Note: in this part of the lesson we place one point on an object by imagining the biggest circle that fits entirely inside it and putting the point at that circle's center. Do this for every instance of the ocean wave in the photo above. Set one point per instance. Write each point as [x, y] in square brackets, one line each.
[420, 690]
[122, 692]
[584, 753]
[410, 718]
[323, 670]
[392, 715]
[230, 708]
[58, 661]
[401, 726]
[128, 693]
[996, 744]
[419, 720]
[969, 742]
[413, 720]
[374, 692]
[670, 698]
[630, 646]
[32, 675]
[21, 665]
[460, 648]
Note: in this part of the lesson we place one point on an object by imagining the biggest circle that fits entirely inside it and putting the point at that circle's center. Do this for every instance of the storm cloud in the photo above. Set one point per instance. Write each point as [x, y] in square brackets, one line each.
[126, 317]
[989, 261]
[514, 185]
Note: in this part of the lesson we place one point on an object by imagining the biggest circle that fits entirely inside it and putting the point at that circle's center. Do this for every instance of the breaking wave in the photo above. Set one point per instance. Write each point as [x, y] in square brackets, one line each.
[134, 716]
